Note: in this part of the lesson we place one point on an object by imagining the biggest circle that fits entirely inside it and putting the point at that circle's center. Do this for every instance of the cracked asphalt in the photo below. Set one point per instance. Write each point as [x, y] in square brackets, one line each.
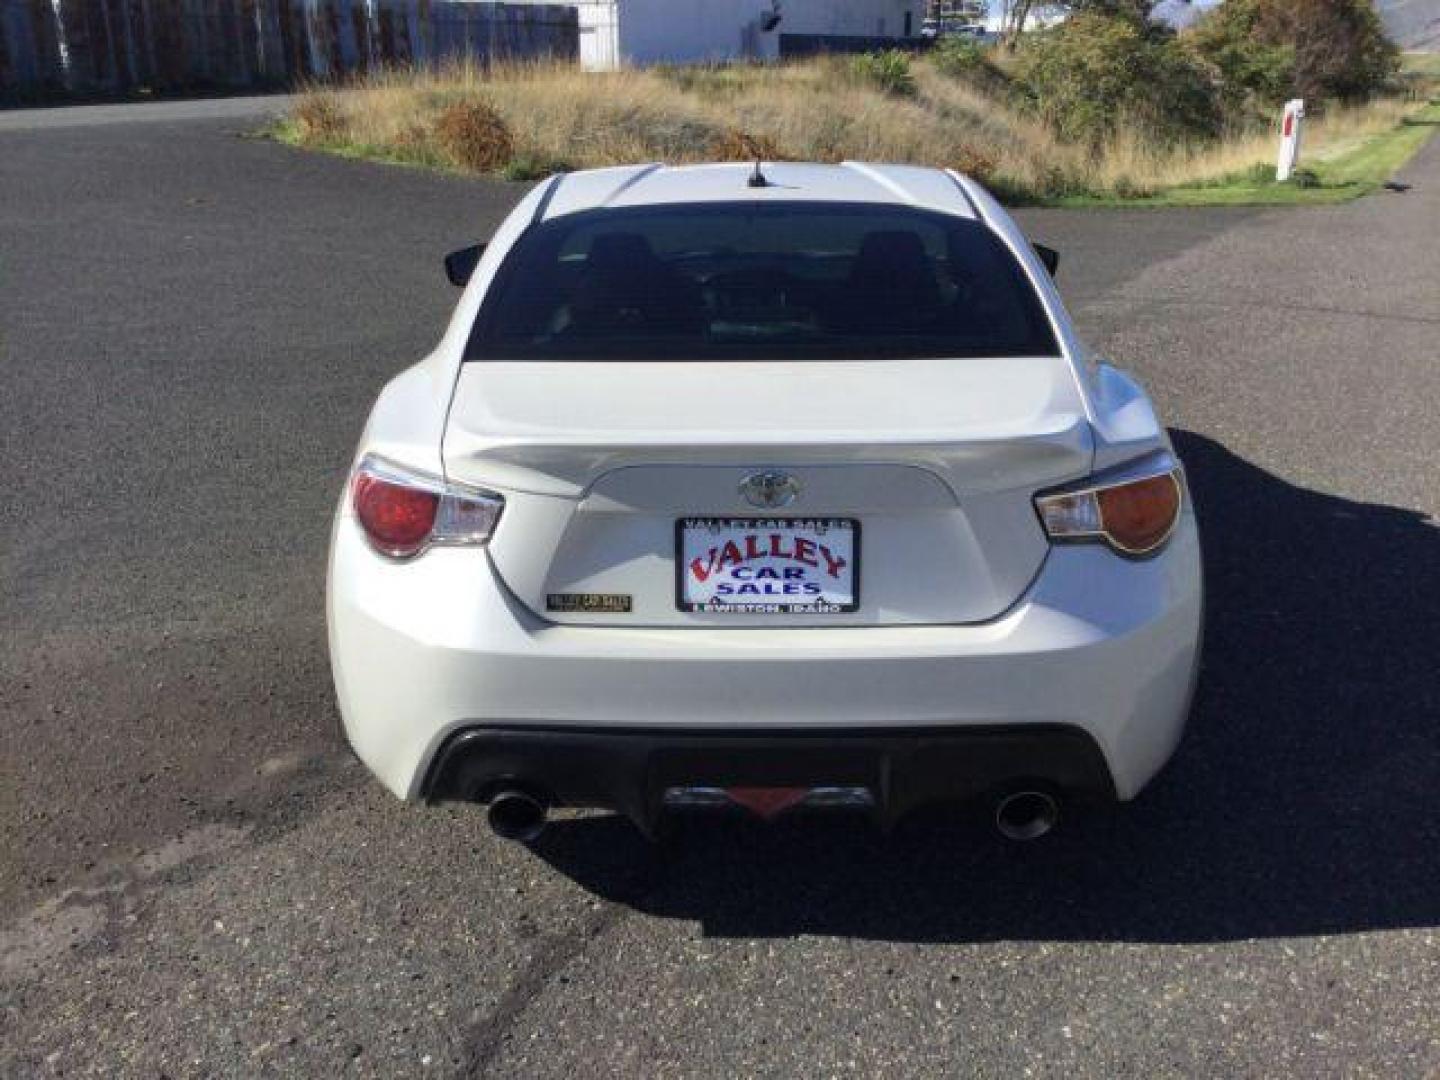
[197, 879]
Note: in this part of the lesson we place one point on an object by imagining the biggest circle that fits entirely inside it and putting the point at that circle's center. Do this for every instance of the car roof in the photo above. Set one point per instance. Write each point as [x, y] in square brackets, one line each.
[848, 182]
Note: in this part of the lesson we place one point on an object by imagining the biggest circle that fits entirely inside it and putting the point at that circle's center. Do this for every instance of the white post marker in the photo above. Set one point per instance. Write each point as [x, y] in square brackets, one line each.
[1290, 124]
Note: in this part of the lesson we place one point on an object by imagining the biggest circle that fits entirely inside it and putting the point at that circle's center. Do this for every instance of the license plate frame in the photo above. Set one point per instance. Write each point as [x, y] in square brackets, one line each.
[788, 527]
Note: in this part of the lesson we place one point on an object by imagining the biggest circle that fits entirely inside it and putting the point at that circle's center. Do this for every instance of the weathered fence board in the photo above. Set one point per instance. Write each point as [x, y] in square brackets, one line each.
[57, 48]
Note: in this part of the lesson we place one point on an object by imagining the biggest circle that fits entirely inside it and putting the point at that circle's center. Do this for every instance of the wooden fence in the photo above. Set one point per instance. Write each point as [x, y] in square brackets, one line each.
[81, 48]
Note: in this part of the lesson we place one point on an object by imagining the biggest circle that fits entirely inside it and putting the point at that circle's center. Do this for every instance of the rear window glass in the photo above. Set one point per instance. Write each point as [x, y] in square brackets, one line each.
[777, 281]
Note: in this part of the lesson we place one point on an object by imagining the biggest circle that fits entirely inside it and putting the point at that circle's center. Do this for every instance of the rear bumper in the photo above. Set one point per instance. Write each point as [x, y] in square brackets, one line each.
[647, 774]
[425, 650]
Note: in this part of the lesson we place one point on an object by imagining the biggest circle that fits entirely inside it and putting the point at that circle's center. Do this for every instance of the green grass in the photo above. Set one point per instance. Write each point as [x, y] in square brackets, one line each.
[1377, 160]
[1356, 172]
[284, 131]
[1418, 63]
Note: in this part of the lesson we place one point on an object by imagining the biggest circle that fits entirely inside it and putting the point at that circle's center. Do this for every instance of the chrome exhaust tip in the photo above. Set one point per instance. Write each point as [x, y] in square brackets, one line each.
[1026, 815]
[515, 815]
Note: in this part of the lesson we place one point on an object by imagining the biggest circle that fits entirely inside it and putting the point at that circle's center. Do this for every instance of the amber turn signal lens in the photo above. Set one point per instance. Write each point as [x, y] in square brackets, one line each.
[1138, 517]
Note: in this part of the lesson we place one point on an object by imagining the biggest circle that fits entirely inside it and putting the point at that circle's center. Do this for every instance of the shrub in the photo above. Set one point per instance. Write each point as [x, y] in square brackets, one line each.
[412, 141]
[888, 71]
[318, 117]
[472, 135]
[732, 144]
[966, 59]
[1094, 75]
[1247, 67]
[1270, 50]
[957, 56]
[974, 163]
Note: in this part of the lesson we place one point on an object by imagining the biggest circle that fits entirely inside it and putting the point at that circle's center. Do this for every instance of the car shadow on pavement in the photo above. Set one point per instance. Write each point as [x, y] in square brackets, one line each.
[1305, 798]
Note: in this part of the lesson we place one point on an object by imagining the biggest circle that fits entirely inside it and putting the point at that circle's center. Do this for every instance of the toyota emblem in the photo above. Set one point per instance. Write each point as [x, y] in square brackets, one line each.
[770, 490]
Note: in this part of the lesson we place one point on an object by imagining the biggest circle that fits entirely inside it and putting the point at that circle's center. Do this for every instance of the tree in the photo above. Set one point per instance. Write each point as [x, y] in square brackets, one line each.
[1014, 14]
[1093, 76]
[1269, 50]
[1137, 11]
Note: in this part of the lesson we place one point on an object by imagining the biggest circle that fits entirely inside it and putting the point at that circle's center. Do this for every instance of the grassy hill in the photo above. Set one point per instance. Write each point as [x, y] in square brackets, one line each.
[524, 121]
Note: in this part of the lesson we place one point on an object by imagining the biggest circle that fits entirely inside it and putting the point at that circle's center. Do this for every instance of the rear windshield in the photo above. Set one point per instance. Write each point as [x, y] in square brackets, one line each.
[746, 282]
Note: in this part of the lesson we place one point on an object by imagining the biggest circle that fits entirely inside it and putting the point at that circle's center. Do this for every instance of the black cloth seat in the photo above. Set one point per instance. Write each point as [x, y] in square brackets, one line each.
[625, 288]
[891, 285]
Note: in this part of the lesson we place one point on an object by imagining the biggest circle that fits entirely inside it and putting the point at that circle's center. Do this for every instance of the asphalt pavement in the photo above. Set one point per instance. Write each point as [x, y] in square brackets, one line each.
[197, 880]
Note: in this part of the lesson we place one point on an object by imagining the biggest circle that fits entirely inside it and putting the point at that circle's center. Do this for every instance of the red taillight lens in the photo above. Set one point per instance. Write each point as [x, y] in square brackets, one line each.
[1137, 517]
[398, 519]
[405, 511]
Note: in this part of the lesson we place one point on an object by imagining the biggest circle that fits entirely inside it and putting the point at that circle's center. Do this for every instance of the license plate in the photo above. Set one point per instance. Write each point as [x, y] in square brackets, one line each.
[768, 566]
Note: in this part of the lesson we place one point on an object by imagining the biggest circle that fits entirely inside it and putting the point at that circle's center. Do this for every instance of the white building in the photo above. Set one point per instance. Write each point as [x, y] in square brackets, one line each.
[618, 33]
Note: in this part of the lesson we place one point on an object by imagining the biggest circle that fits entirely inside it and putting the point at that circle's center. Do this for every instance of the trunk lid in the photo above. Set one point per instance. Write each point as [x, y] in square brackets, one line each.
[936, 461]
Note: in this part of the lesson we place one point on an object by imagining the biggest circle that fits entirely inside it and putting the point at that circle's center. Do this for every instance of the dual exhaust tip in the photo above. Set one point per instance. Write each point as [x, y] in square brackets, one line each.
[1019, 816]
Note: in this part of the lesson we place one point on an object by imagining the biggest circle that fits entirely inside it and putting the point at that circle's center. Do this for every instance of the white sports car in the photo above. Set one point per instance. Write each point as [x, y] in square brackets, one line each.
[772, 488]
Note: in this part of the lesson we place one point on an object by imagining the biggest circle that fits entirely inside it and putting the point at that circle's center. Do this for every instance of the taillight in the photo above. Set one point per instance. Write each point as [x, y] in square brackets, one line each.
[1134, 510]
[404, 512]
[398, 519]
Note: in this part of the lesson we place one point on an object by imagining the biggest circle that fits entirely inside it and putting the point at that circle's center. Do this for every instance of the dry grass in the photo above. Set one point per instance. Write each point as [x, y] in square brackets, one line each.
[1129, 162]
[527, 119]
[472, 135]
[317, 117]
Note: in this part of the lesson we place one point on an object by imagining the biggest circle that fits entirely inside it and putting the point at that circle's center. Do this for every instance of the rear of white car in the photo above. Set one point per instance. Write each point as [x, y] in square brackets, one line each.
[795, 494]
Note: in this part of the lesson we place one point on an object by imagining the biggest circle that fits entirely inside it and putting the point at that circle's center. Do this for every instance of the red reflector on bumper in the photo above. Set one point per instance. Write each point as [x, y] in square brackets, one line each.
[767, 802]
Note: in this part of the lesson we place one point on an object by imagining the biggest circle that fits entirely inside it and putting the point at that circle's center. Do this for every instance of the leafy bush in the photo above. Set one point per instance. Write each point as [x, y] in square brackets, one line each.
[887, 71]
[966, 59]
[958, 56]
[1092, 75]
[1268, 50]
[472, 135]
[1250, 73]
